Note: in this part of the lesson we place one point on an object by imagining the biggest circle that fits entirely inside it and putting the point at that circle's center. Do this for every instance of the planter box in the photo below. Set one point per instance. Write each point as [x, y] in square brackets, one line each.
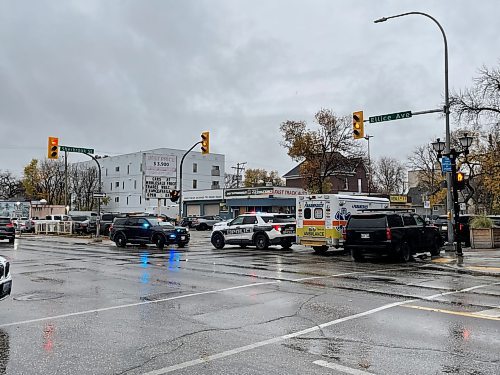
[496, 237]
[481, 238]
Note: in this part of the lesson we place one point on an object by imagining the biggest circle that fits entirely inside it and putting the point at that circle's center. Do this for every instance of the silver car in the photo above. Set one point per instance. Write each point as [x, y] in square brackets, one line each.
[5, 278]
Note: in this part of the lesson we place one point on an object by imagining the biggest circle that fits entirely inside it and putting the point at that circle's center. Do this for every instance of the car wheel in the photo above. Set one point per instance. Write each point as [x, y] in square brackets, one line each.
[218, 240]
[286, 245]
[357, 255]
[202, 227]
[159, 242]
[404, 252]
[120, 240]
[435, 249]
[320, 249]
[261, 241]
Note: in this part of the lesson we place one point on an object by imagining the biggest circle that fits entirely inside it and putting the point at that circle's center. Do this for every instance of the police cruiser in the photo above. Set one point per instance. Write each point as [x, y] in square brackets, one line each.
[256, 229]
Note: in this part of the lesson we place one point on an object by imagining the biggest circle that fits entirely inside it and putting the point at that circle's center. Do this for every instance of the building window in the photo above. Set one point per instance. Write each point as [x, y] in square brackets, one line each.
[117, 199]
[195, 167]
[215, 170]
[195, 184]
[111, 186]
[117, 184]
[106, 172]
[215, 185]
[117, 169]
[140, 199]
[140, 167]
[127, 201]
[128, 169]
[135, 184]
[123, 185]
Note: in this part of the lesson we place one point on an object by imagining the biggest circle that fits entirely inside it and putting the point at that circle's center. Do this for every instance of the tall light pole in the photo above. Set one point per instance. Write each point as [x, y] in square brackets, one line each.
[367, 137]
[446, 110]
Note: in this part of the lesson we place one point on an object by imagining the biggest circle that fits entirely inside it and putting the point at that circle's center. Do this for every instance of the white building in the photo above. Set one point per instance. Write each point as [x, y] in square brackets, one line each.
[123, 178]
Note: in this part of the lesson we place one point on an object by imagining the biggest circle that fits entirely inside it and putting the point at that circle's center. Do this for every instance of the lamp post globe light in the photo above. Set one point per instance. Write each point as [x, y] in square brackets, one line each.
[446, 110]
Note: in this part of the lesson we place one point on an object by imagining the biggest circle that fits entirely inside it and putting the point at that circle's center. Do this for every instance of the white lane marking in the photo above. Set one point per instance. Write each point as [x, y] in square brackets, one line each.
[194, 362]
[183, 296]
[344, 369]
[492, 313]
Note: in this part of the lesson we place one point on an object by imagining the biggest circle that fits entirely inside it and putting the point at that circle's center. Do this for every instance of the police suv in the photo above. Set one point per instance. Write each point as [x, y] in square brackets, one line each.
[258, 229]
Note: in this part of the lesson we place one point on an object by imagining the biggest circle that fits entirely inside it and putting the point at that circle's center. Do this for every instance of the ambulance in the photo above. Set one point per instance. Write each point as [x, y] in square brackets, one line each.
[322, 218]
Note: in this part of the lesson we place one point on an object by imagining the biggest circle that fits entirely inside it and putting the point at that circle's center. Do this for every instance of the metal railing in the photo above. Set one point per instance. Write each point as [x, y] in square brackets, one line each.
[54, 227]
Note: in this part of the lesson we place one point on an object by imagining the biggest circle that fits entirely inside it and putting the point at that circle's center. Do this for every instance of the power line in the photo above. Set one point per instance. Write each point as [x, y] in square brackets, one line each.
[238, 168]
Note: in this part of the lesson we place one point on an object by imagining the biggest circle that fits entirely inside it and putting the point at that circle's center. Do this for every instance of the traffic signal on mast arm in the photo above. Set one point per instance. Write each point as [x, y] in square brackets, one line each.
[460, 181]
[174, 195]
[358, 127]
[205, 143]
[53, 148]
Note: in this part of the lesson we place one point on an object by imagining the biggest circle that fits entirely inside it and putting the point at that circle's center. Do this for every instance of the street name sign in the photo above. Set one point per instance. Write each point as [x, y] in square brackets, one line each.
[446, 164]
[390, 117]
[77, 149]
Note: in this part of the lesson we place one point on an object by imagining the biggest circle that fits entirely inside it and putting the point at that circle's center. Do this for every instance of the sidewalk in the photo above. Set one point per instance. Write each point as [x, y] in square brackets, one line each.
[475, 261]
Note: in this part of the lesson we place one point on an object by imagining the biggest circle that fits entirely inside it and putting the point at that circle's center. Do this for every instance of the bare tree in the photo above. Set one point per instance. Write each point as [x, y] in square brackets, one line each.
[390, 176]
[84, 182]
[51, 181]
[482, 99]
[10, 186]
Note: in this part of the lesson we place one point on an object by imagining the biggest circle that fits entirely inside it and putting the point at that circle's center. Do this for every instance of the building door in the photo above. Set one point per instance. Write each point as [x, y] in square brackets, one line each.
[193, 210]
[211, 209]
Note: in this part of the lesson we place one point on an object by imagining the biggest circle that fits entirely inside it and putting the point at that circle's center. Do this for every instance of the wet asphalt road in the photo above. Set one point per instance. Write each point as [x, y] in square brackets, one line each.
[97, 309]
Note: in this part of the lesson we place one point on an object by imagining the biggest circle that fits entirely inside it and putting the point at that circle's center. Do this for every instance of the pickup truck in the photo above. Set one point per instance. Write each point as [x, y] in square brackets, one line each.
[399, 234]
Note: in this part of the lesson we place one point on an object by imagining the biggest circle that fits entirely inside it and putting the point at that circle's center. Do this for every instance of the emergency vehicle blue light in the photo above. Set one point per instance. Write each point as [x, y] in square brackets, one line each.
[145, 225]
[172, 236]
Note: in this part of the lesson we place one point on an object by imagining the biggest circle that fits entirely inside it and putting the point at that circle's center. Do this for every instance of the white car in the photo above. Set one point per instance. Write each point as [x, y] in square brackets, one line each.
[5, 278]
[259, 230]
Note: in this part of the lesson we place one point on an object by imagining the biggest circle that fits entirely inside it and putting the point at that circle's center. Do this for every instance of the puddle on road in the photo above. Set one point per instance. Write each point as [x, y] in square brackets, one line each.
[38, 296]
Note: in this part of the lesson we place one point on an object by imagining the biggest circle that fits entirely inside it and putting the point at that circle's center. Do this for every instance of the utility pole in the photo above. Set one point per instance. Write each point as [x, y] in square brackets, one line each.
[367, 137]
[238, 169]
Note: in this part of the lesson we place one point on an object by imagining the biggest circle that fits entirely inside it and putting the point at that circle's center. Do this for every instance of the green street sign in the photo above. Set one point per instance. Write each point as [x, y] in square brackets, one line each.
[76, 149]
[390, 117]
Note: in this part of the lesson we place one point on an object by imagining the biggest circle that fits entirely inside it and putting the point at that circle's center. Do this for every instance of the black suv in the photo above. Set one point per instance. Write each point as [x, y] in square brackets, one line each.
[7, 229]
[388, 232]
[147, 230]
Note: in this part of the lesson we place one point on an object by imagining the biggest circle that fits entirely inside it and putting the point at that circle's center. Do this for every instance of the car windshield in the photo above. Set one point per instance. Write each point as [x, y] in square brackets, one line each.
[79, 218]
[372, 221]
[160, 222]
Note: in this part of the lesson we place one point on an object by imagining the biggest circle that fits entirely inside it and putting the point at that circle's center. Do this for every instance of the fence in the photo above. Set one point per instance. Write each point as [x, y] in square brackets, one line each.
[54, 227]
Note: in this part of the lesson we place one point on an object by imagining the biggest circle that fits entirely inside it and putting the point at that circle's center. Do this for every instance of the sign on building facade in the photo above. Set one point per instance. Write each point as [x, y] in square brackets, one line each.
[160, 175]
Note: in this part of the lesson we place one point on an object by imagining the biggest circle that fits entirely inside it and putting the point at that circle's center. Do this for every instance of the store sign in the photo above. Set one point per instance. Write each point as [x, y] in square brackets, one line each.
[249, 191]
[158, 187]
[159, 165]
[284, 191]
[398, 199]
[202, 195]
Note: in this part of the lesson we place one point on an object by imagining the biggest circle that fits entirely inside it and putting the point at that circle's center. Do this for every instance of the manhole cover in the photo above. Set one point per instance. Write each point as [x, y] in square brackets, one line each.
[38, 296]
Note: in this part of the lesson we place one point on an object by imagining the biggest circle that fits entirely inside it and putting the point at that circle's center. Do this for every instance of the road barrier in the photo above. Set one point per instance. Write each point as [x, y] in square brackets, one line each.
[54, 227]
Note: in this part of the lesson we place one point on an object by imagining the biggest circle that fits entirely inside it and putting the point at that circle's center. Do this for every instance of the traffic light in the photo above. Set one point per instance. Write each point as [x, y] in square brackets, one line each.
[53, 148]
[174, 195]
[460, 181]
[358, 128]
[205, 143]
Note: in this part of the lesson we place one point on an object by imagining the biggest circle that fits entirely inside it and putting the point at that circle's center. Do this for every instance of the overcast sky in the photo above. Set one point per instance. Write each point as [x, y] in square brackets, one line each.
[130, 75]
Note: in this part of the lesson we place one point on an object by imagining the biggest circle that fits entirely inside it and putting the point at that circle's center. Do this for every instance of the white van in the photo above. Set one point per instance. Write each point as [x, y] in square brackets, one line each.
[322, 218]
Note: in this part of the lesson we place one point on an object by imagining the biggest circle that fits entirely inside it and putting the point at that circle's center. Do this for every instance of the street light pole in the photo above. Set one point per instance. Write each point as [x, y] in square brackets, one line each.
[98, 221]
[180, 179]
[446, 110]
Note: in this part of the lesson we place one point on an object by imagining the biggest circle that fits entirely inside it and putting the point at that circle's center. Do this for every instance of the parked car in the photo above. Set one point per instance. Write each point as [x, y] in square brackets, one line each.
[259, 230]
[5, 278]
[399, 234]
[147, 230]
[463, 227]
[188, 221]
[7, 229]
[206, 222]
[84, 224]
[106, 222]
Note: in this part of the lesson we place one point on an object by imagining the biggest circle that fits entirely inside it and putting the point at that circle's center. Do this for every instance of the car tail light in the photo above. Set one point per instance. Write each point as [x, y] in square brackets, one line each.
[388, 234]
[10, 225]
[277, 228]
[460, 227]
